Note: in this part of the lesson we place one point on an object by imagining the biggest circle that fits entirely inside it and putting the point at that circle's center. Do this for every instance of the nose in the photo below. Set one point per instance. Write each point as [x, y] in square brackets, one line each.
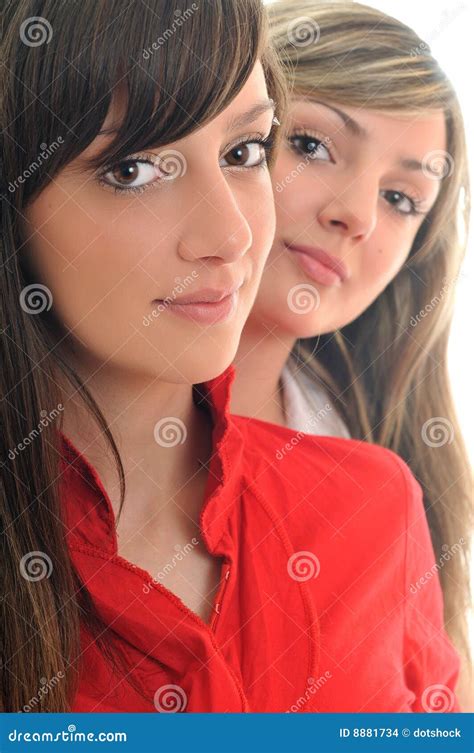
[352, 212]
[213, 227]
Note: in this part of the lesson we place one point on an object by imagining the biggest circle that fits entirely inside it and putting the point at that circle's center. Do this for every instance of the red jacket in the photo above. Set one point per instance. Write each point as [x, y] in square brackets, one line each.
[329, 599]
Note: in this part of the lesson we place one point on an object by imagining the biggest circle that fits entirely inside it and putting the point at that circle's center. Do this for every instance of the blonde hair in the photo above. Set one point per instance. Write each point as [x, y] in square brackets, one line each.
[387, 370]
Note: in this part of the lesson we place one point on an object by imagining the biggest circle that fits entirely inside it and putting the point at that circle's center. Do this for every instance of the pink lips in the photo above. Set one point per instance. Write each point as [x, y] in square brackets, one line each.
[206, 306]
[319, 265]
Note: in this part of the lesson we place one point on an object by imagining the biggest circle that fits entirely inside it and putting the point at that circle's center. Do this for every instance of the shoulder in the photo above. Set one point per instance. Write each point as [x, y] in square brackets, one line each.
[334, 476]
[289, 451]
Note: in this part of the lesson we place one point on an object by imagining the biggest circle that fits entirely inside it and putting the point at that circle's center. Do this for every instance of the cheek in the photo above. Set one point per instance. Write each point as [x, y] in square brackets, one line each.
[383, 257]
[258, 210]
[297, 202]
[91, 266]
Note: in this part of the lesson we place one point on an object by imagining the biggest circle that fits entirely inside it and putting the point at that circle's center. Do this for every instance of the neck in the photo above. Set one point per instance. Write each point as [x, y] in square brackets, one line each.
[256, 391]
[157, 464]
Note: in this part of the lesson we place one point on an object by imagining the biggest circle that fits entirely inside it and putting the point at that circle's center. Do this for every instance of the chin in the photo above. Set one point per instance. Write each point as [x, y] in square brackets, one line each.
[299, 327]
[202, 364]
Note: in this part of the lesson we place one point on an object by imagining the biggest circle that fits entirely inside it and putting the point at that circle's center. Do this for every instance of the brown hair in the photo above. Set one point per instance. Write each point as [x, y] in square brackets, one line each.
[387, 370]
[59, 89]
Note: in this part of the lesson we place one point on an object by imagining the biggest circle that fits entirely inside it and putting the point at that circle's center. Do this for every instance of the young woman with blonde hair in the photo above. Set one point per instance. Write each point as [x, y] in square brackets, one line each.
[348, 336]
[118, 293]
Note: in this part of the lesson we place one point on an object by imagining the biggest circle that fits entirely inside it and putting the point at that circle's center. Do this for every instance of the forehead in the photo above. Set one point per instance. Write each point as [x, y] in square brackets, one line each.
[253, 92]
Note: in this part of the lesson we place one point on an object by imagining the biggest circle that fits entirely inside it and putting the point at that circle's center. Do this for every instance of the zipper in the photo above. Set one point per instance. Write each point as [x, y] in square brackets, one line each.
[220, 596]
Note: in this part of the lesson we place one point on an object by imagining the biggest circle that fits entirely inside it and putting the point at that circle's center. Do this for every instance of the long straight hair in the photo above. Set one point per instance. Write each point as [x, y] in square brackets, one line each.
[63, 62]
[387, 370]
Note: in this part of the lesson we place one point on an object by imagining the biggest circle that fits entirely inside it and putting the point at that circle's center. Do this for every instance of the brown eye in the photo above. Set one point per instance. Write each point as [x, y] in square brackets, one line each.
[125, 172]
[250, 154]
[130, 174]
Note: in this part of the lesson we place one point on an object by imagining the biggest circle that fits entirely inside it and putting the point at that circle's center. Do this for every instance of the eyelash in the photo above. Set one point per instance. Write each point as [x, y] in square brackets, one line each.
[308, 135]
[146, 158]
[415, 203]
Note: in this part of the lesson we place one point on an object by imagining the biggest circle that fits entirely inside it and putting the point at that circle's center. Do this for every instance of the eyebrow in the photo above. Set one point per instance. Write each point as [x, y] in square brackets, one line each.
[358, 130]
[414, 164]
[242, 120]
[352, 125]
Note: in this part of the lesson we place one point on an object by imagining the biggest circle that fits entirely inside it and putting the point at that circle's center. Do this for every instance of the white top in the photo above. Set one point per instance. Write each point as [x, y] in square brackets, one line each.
[308, 407]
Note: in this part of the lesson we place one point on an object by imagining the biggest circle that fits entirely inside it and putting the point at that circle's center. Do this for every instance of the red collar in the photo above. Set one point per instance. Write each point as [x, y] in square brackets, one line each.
[89, 515]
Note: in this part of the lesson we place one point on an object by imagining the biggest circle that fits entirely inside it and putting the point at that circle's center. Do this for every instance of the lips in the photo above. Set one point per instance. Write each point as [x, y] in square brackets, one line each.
[319, 265]
[205, 295]
[205, 306]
